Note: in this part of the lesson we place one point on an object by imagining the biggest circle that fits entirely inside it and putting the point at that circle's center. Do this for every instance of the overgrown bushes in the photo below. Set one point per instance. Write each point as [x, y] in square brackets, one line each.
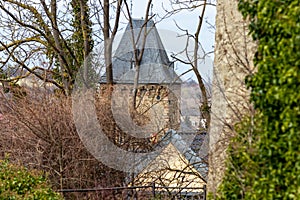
[264, 158]
[38, 131]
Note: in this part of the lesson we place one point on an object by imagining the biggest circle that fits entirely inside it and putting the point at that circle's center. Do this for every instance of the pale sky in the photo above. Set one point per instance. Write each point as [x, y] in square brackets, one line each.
[169, 32]
[187, 20]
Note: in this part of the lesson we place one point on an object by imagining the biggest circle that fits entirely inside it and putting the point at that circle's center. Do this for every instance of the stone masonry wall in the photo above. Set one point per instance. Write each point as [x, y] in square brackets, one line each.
[156, 104]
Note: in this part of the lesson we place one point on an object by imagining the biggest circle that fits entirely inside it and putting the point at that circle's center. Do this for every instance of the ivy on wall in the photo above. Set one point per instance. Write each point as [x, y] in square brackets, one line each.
[264, 158]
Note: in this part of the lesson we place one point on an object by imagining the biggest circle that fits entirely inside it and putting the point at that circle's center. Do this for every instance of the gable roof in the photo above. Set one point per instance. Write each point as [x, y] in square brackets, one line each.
[188, 151]
[155, 65]
[171, 169]
[178, 165]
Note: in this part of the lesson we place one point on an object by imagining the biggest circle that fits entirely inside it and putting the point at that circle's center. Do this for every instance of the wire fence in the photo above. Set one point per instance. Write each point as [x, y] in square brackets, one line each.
[149, 192]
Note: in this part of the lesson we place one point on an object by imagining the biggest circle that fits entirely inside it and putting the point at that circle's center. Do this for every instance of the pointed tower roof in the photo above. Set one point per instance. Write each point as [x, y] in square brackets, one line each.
[155, 66]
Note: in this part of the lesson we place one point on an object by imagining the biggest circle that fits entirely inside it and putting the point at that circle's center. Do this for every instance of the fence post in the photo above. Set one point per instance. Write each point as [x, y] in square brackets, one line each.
[204, 192]
[153, 189]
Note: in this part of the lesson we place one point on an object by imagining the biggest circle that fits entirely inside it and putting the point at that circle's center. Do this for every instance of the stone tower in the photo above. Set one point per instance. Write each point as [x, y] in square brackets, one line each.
[159, 85]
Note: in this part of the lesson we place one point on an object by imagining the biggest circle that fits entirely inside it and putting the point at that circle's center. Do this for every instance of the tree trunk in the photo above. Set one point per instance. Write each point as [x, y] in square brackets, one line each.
[234, 51]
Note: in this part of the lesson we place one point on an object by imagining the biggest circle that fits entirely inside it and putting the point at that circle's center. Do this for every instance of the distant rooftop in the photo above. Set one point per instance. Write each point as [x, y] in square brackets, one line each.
[155, 67]
[191, 152]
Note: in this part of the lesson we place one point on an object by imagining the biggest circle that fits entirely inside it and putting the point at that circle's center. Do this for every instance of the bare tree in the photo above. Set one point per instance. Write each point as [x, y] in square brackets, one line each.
[138, 51]
[109, 37]
[194, 59]
[36, 38]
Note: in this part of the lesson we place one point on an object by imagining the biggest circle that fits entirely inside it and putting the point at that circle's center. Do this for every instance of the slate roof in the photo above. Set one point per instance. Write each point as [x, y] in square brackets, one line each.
[155, 67]
[190, 152]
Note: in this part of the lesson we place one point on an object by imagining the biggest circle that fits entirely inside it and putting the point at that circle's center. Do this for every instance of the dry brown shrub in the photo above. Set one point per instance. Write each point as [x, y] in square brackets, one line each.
[37, 131]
